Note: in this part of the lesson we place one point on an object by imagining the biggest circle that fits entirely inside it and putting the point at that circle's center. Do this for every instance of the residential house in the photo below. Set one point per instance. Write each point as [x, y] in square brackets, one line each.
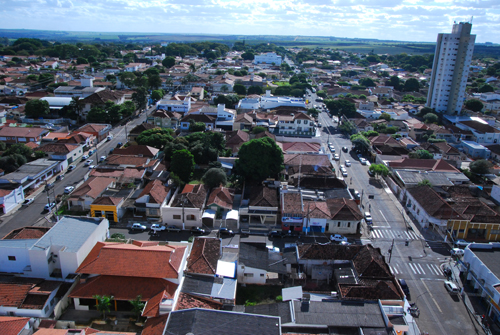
[99, 99]
[208, 120]
[124, 176]
[475, 150]
[259, 205]
[110, 204]
[442, 150]
[483, 132]
[224, 85]
[152, 198]
[173, 105]
[100, 131]
[164, 119]
[126, 271]
[296, 124]
[494, 151]
[51, 254]
[67, 153]
[128, 161]
[13, 135]
[84, 139]
[259, 265]
[81, 198]
[76, 91]
[198, 93]
[301, 147]
[11, 195]
[422, 165]
[234, 140]
[219, 207]
[14, 325]
[138, 150]
[32, 174]
[224, 117]
[137, 130]
[50, 64]
[185, 209]
[268, 58]
[382, 92]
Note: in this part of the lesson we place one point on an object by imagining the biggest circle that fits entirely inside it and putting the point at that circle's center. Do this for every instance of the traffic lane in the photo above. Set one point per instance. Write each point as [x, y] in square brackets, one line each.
[447, 313]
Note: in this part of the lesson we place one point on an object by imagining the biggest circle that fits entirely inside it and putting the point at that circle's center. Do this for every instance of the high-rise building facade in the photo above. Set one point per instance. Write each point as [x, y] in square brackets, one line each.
[450, 69]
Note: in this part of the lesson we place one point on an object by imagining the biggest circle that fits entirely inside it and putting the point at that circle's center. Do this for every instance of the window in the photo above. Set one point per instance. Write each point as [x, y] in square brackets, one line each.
[176, 217]
[153, 211]
[262, 275]
[46, 309]
[338, 225]
[248, 275]
[190, 217]
[12, 258]
[348, 224]
[494, 231]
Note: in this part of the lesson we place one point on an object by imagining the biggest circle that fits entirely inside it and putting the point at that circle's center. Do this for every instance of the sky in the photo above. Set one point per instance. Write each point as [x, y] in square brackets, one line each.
[402, 20]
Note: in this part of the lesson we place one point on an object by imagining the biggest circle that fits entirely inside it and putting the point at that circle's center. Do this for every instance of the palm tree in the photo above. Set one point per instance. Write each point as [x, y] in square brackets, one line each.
[137, 306]
[103, 304]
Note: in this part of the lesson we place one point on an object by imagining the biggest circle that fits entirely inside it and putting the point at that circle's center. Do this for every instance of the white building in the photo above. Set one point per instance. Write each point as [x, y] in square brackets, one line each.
[175, 105]
[450, 69]
[268, 58]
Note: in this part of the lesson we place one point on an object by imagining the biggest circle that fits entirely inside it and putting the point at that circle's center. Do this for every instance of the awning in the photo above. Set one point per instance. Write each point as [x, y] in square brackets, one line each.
[232, 215]
[209, 213]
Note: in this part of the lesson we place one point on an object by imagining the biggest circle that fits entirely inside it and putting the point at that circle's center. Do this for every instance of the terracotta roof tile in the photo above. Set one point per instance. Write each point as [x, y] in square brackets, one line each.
[187, 301]
[344, 209]
[156, 190]
[194, 194]
[92, 128]
[60, 148]
[136, 150]
[136, 161]
[26, 233]
[204, 256]
[12, 325]
[222, 197]
[142, 127]
[155, 326]
[423, 164]
[110, 201]
[92, 187]
[263, 196]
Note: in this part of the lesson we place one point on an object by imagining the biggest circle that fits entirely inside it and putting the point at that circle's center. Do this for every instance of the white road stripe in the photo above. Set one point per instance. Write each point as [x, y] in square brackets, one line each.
[438, 269]
[431, 269]
[421, 268]
[415, 236]
[414, 271]
[408, 236]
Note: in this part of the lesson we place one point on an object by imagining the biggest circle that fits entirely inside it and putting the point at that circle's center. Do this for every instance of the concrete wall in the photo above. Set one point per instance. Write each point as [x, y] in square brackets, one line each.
[21, 255]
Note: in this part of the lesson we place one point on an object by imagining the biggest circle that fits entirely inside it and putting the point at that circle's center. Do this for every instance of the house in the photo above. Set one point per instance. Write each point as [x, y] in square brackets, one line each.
[483, 132]
[110, 204]
[224, 117]
[243, 121]
[137, 130]
[234, 140]
[270, 58]
[32, 174]
[174, 105]
[411, 178]
[204, 256]
[259, 205]
[84, 139]
[152, 198]
[90, 190]
[475, 150]
[128, 161]
[11, 195]
[99, 99]
[54, 254]
[198, 92]
[13, 325]
[296, 124]
[50, 64]
[76, 91]
[100, 131]
[422, 164]
[164, 119]
[137, 150]
[122, 176]
[68, 153]
[126, 271]
[185, 209]
[301, 148]
[494, 151]
[219, 207]
[13, 135]
[442, 150]
[259, 265]
[381, 92]
[208, 120]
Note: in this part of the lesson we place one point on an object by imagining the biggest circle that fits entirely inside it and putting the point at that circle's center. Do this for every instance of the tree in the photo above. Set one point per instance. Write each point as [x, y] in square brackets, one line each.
[258, 130]
[157, 95]
[81, 60]
[474, 105]
[425, 182]
[182, 165]
[379, 169]
[36, 108]
[20, 149]
[385, 116]
[255, 90]
[154, 81]
[197, 126]
[214, 177]
[486, 88]
[139, 97]
[369, 133]
[103, 303]
[239, 89]
[168, 62]
[76, 105]
[248, 55]
[127, 78]
[137, 306]
[229, 100]
[360, 142]
[341, 107]
[156, 137]
[395, 82]
[367, 82]
[421, 154]
[259, 159]
[431, 118]
[313, 112]
[411, 85]
[480, 166]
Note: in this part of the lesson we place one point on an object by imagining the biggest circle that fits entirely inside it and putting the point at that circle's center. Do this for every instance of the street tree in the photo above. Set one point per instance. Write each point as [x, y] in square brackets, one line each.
[156, 137]
[139, 97]
[480, 166]
[182, 165]
[431, 118]
[127, 78]
[341, 107]
[474, 105]
[36, 108]
[154, 81]
[214, 177]
[360, 142]
[379, 169]
[259, 159]
[157, 95]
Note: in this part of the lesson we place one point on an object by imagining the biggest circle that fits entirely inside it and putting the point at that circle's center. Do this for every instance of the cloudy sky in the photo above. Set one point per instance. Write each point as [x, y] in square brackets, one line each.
[405, 20]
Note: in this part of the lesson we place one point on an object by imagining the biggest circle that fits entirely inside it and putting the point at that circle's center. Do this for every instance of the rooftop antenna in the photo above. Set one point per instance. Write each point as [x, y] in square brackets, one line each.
[471, 19]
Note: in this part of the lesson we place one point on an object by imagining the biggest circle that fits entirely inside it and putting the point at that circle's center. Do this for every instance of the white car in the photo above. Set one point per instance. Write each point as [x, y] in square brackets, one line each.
[362, 160]
[85, 157]
[138, 226]
[71, 168]
[344, 174]
[368, 217]
[332, 148]
[69, 189]
[91, 167]
[88, 162]
[102, 159]
[48, 207]
[338, 238]
[457, 252]
[157, 227]
[347, 162]
[336, 157]
[451, 287]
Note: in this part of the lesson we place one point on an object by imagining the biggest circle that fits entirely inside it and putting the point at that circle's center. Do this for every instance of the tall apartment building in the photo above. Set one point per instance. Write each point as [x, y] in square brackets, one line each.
[450, 69]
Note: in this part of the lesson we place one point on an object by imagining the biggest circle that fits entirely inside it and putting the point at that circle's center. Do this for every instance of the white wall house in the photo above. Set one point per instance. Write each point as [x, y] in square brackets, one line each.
[175, 105]
[186, 216]
[268, 58]
[11, 198]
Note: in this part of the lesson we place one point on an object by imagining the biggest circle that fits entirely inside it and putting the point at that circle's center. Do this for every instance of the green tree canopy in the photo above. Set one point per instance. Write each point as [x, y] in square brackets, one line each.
[229, 100]
[369, 133]
[197, 126]
[157, 95]
[258, 130]
[431, 118]
[255, 90]
[36, 108]
[239, 89]
[474, 105]
[411, 85]
[139, 97]
[341, 107]
[360, 142]
[182, 165]
[367, 82]
[156, 137]
[259, 159]
[486, 88]
[20, 149]
[385, 116]
[421, 154]
[103, 304]
[168, 62]
[154, 81]
[425, 182]
[379, 169]
[214, 177]
[248, 55]
[480, 166]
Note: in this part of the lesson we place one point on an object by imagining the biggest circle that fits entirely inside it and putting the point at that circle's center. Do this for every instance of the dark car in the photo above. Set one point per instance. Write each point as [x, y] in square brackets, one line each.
[275, 234]
[344, 149]
[404, 286]
[226, 232]
[49, 186]
[197, 231]
[244, 232]
[119, 145]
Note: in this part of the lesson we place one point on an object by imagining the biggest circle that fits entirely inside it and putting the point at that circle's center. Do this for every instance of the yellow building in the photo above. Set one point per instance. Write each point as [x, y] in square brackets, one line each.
[474, 231]
[108, 207]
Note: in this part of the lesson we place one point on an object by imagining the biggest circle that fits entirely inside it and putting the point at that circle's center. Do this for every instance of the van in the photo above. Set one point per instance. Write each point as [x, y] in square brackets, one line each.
[368, 218]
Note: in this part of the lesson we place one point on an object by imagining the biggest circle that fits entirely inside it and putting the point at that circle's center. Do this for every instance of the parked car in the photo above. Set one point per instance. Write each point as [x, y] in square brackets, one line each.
[226, 232]
[60, 177]
[85, 157]
[461, 243]
[28, 202]
[336, 157]
[347, 162]
[404, 286]
[119, 145]
[197, 231]
[91, 167]
[109, 138]
[362, 161]
[356, 194]
[157, 227]
[49, 186]
[244, 232]
[345, 243]
[48, 207]
[71, 168]
[344, 173]
[91, 152]
[88, 162]
[138, 226]
[457, 252]
[370, 173]
[275, 234]
[451, 287]
[368, 218]
[332, 148]
[338, 238]
[173, 229]
[102, 159]
[69, 189]
[344, 149]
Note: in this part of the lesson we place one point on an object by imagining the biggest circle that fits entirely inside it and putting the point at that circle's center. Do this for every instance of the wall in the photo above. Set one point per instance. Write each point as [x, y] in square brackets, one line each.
[346, 227]
[259, 276]
[11, 200]
[64, 302]
[21, 254]
[461, 229]
[39, 263]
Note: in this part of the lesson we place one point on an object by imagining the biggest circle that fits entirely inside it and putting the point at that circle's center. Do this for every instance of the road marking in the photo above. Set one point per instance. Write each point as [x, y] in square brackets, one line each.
[432, 297]
[421, 268]
[376, 233]
[414, 271]
[388, 225]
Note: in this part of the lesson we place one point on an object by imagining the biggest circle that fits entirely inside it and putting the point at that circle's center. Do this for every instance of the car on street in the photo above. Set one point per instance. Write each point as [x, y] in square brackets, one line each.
[91, 152]
[119, 145]
[451, 287]
[48, 207]
[102, 159]
[338, 238]
[28, 202]
[461, 243]
[109, 138]
[344, 174]
[347, 162]
[275, 234]
[344, 149]
[368, 218]
[68, 189]
[49, 186]
[319, 125]
[88, 162]
[336, 157]
[157, 227]
[226, 232]
[345, 243]
[197, 231]
[173, 229]
[71, 168]
[332, 148]
[370, 173]
[91, 167]
[85, 157]
[138, 226]
[362, 160]
[356, 194]
[457, 252]
[60, 177]
[404, 286]
[244, 232]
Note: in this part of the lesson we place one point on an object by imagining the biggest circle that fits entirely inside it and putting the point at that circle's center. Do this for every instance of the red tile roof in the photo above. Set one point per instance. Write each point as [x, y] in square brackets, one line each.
[92, 187]
[204, 256]
[59, 148]
[135, 161]
[135, 150]
[26, 233]
[155, 326]
[22, 132]
[118, 259]
[186, 301]
[222, 197]
[423, 164]
[12, 325]
[107, 201]
[156, 190]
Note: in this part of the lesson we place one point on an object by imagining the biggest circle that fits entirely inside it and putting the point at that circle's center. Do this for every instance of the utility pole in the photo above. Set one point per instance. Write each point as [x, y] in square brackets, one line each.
[390, 251]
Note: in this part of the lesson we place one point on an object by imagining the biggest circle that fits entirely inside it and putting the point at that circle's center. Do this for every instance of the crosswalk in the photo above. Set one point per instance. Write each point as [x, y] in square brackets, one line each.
[393, 234]
[417, 269]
